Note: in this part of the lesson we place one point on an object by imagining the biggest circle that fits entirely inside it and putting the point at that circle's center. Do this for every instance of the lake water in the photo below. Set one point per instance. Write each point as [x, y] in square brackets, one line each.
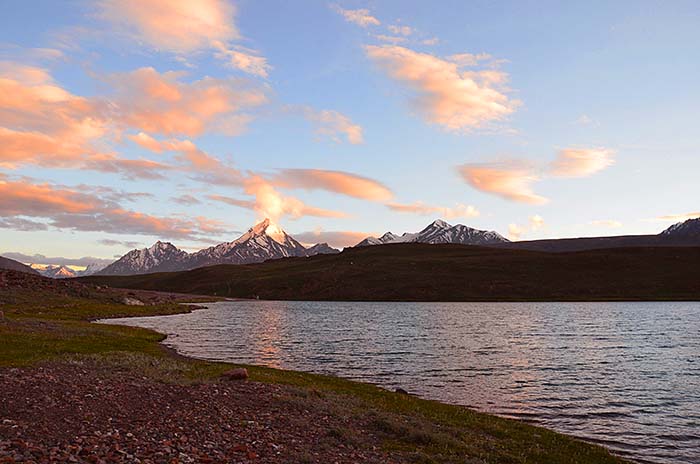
[625, 375]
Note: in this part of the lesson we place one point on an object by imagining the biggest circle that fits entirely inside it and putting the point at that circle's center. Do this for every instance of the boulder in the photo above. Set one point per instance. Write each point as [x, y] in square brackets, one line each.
[240, 373]
[401, 391]
[132, 301]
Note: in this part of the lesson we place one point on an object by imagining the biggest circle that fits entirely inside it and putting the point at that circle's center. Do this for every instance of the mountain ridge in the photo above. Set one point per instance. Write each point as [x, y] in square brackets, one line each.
[264, 241]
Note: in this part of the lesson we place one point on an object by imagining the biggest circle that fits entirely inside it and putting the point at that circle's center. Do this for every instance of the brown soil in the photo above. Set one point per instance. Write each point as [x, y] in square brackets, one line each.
[81, 411]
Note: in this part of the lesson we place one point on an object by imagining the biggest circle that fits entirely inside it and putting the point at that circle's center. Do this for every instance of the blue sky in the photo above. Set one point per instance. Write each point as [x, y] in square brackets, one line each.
[534, 119]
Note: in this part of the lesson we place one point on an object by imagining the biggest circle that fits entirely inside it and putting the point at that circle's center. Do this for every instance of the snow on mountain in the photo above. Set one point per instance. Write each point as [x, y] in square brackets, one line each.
[161, 257]
[57, 272]
[440, 231]
[93, 268]
[261, 242]
[684, 230]
[321, 249]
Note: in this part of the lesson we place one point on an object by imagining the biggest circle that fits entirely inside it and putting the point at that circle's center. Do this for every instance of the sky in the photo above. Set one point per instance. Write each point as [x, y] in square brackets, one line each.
[127, 121]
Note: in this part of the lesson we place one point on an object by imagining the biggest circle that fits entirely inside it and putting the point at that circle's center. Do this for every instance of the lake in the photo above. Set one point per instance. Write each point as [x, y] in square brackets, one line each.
[624, 375]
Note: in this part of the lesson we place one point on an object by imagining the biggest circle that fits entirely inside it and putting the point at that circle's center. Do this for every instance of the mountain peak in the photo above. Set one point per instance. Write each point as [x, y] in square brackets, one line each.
[439, 223]
[688, 228]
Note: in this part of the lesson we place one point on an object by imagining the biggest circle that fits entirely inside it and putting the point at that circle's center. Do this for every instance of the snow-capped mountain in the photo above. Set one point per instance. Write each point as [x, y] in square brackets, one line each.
[321, 249]
[261, 242]
[440, 231]
[57, 272]
[161, 257]
[689, 229]
[92, 268]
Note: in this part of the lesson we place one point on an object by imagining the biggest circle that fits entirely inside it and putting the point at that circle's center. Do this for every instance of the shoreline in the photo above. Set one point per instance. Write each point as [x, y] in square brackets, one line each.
[82, 390]
[172, 351]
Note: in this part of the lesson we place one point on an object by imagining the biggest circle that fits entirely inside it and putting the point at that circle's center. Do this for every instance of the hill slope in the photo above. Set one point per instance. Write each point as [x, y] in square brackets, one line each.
[12, 265]
[420, 272]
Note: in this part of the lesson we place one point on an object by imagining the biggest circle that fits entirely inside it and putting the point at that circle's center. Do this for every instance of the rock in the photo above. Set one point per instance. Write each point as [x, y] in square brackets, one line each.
[401, 391]
[132, 301]
[236, 374]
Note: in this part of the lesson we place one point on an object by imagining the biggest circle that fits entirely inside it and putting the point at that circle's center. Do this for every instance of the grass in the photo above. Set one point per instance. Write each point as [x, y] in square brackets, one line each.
[56, 328]
[419, 272]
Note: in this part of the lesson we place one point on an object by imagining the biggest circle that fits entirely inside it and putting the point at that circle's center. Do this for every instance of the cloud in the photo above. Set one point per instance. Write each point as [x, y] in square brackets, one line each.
[515, 231]
[334, 181]
[123, 243]
[608, 223]
[43, 124]
[361, 17]
[162, 103]
[511, 180]
[431, 41]
[186, 200]
[679, 217]
[536, 222]
[248, 61]
[56, 261]
[337, 239]
[573, 162]
[177, 26]
[391, 38]
[458, 211]
[456, 100]
[332, 124]
[70, 209]
[247, 204]
[585, 120]
[24, 225]
[399, 29]
[270, 203]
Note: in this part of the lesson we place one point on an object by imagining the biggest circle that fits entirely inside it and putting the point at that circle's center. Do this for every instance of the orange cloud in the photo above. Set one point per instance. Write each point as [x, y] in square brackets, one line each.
[510, 180]
[160, 103]
[178, 26]
[459, 210]
[515, 232]
[456, 100]
[270, 203]
[581, 162]
[334, 181]
[361, 17]
[66, 208]
[679, 217]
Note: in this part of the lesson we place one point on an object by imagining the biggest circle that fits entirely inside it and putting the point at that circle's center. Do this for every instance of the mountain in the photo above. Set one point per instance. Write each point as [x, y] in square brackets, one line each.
[422, 272]
[12, 265]
[440, 231]
[161, 257]
[93, 268]
[58, 272]
[321, 249]
[261, 242]
[682, 234]
[689, 229]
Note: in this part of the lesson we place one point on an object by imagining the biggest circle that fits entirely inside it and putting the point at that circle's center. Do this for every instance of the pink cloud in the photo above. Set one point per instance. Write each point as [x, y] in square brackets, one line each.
[178, 26]
[457, 101]
[334, 181]
[573, 162]
[511, 180]
[67, 208]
